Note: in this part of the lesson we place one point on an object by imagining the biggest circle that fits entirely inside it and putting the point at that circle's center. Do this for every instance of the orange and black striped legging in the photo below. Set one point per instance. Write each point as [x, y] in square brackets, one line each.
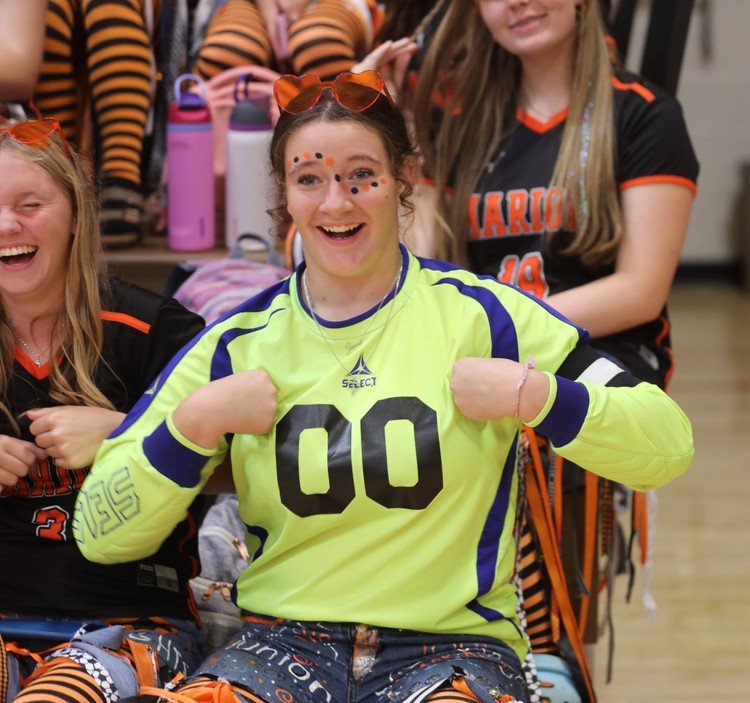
[329, 37]
[235, 36]
[535, 595]
[99, 51]
[66, 682]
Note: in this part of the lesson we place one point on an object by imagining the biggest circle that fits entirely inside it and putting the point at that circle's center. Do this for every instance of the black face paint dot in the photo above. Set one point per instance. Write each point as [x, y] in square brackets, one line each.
[355, 190]
[318, 155]
[296, 159]
[374, 184]
[338, 178]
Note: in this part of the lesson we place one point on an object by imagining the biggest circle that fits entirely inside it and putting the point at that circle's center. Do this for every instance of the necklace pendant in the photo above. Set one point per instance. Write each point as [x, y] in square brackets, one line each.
[351, 376]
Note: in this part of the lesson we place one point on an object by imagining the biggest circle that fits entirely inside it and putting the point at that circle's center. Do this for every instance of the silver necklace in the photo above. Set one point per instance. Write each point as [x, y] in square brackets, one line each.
[529, 109]
[35, 357]
[353, 345]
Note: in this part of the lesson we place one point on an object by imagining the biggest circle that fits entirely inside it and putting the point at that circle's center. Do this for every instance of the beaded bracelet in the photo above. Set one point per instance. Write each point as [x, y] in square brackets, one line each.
[530, 364]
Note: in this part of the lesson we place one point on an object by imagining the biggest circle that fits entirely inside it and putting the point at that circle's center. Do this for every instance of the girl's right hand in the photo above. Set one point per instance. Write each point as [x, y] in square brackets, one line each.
[17, 459]
[243, 403]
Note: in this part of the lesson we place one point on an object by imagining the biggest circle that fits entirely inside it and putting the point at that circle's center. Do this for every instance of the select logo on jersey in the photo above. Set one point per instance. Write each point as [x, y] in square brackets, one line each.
[359, 377]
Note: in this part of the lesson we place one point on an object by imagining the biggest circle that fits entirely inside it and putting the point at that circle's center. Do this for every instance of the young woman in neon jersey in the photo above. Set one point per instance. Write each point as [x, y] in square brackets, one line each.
[370, 406]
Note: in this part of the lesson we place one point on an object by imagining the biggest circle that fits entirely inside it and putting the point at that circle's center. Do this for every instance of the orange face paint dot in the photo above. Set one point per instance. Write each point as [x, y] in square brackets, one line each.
[307, 155]
[330, 161]
[383, 181]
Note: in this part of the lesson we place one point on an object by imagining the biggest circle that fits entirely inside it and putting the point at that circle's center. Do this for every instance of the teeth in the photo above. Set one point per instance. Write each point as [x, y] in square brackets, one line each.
[16, 251]
[524, 22]
[340, 229]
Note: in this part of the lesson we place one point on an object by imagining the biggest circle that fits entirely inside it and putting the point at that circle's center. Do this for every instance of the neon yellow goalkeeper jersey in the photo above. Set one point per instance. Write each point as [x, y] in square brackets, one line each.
[374, 500]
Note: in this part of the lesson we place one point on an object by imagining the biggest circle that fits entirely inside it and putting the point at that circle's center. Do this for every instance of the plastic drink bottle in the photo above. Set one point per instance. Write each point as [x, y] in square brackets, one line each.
[191, 212]
[248, 177]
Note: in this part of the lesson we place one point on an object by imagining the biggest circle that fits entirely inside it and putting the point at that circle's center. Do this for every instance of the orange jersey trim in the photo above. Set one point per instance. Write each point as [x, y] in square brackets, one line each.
[38, 372]
[538, 126]
[128, 320]
[42, 371]
[648, 180]
[665, 327]
[645, 93]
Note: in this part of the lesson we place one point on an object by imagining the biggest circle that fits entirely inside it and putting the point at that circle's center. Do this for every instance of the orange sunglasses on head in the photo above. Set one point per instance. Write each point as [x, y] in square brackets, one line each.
[30, 132]
[356, 91]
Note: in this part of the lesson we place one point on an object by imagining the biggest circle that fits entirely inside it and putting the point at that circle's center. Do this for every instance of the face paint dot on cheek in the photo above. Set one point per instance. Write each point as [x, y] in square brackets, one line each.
[338, 178]
[355, 190]
[296, 159]
[307, 155]
[374, 184]
[383, 181]
[330, 161]
[318, 155]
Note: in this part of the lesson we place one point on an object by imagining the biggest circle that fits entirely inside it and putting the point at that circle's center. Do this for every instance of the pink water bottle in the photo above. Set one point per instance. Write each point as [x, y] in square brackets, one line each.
[190, 169]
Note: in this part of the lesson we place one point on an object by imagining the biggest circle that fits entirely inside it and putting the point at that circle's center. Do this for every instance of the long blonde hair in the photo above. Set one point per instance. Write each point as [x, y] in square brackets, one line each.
[78, 324]
[479, 84]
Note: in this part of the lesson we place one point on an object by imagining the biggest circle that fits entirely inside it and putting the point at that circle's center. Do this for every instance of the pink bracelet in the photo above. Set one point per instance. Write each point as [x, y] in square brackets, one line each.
[530, 364]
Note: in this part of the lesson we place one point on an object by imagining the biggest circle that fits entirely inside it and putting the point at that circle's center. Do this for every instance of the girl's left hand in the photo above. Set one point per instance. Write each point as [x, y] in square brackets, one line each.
[485, 389]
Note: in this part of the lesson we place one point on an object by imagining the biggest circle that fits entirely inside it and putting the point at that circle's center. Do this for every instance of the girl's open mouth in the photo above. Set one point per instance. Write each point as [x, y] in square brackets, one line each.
[17, 255]
[341, 231]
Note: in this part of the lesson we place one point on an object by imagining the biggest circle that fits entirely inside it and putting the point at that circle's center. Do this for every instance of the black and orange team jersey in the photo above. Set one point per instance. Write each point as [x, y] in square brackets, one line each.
[516, 236]
[44, 573]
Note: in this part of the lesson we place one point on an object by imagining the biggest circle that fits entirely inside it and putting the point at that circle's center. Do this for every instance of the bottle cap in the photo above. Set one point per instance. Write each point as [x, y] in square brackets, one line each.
[251, 114]
[189, 99]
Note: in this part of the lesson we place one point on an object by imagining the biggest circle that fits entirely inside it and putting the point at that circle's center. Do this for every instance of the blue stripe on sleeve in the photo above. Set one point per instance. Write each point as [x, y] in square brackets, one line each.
[220, 366]
[221, 362]
[172, 458]
[143, 403]
[566, 416]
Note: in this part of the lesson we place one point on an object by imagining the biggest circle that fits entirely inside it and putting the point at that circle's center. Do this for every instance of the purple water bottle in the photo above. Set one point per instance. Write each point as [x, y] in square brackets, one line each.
[191, 211]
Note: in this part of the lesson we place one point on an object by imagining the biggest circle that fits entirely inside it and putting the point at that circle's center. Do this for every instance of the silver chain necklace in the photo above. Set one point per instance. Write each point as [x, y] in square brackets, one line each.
[34, 356]
[351, 346]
